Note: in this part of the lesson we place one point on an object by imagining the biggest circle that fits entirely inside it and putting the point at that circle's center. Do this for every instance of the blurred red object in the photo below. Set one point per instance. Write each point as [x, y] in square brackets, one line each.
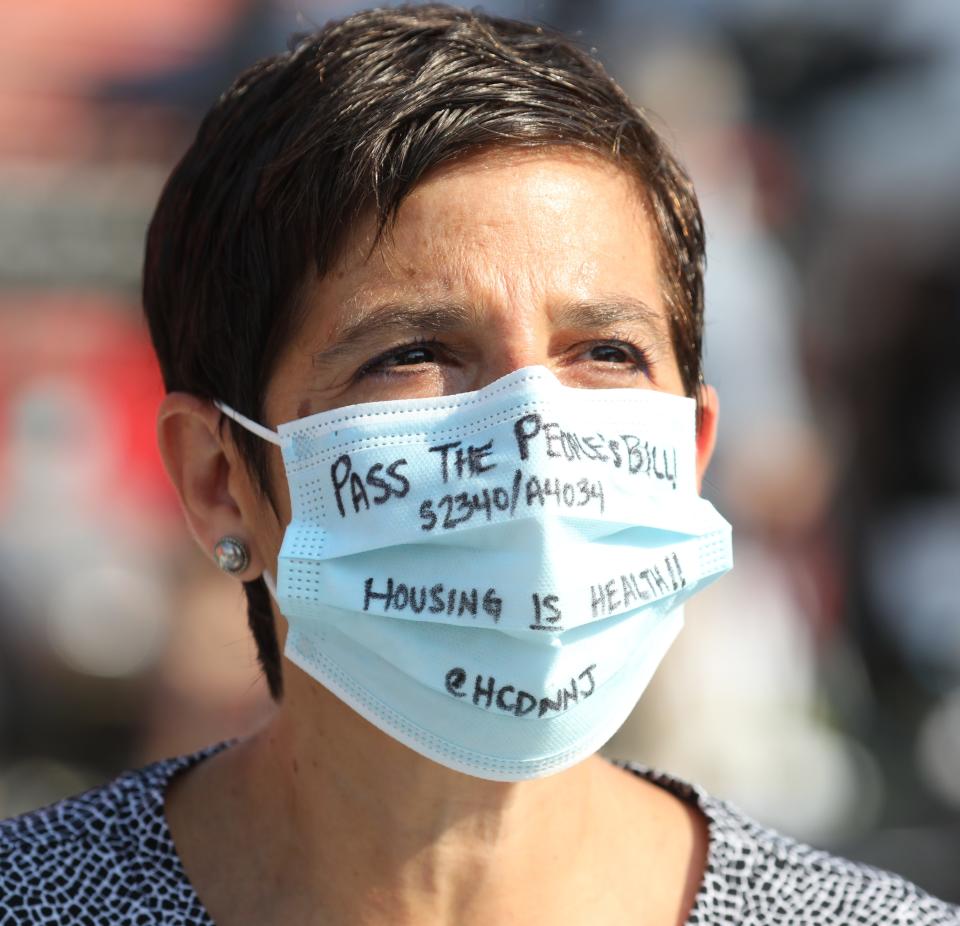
[97, 346]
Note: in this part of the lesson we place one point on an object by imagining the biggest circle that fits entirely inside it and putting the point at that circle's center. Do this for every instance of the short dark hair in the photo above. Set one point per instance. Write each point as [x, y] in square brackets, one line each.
[349, 120]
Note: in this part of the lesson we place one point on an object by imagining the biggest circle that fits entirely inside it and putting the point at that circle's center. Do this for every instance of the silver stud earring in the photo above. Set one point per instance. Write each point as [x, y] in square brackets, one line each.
[231, 555]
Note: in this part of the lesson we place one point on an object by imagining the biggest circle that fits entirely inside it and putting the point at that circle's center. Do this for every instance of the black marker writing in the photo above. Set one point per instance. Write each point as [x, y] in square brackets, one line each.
[511, 699]
[438, 599]
[472, 460]
[454, 681]
[629, 451]
[386, 482]
[450, 511]
[546, 612]
[642, 458]
[631, 589]
[525, 429]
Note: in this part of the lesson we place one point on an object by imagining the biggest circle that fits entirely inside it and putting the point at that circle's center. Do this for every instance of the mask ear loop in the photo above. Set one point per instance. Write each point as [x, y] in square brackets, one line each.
[270, 583]
[252, 426]
[267, 435]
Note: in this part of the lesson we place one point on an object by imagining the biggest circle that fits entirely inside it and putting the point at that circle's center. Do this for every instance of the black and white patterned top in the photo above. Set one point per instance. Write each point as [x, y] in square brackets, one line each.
[107, 857]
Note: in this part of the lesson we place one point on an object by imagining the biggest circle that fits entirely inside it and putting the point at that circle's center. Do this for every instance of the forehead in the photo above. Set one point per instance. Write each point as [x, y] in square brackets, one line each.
[506, 225]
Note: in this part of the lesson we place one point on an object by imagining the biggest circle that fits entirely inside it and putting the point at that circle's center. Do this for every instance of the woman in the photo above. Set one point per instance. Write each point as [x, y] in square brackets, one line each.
[462, 274]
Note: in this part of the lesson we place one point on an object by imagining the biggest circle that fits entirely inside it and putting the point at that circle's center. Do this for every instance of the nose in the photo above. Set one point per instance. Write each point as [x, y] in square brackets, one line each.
[511, 341]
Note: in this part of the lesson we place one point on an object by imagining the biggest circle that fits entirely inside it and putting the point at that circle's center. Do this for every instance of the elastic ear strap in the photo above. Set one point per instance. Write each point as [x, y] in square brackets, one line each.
[252, 426]
[271, 585]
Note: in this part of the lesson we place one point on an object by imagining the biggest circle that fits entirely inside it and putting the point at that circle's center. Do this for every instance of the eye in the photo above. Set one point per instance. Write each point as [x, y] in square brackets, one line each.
[419, 353]
[609, 353]
[409, 356]
[618, 353]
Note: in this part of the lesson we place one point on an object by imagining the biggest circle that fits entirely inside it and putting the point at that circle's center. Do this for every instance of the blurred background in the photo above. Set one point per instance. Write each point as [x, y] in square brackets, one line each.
[818, 686]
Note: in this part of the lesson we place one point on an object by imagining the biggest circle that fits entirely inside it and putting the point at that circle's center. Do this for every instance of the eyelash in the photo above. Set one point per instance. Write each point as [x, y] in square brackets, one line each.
[639, 357]
[378, 365]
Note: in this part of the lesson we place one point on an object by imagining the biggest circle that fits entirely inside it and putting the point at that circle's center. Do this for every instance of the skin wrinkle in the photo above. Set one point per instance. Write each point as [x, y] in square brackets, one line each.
[384, 322]
[464, 259]
[377, 87]
[369, 831]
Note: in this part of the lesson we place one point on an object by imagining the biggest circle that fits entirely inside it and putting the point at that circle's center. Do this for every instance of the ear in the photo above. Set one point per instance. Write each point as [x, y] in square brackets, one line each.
[709, 412]
[214, 487]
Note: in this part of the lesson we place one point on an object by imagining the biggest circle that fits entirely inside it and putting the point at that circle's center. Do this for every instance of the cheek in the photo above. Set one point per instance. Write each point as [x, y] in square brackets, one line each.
[280, 491]
[669, 374]
[273, 512]
[669, 378]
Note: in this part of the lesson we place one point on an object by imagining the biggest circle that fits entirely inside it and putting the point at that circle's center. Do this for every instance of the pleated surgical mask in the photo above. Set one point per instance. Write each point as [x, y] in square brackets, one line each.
[492, 578]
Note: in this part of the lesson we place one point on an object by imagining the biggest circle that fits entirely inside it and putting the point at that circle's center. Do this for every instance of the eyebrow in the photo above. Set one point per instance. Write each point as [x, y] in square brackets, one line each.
[392, 319]
[608, 313]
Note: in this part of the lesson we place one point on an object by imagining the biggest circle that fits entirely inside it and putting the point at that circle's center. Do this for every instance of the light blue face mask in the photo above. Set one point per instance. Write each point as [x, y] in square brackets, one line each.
[492, 578]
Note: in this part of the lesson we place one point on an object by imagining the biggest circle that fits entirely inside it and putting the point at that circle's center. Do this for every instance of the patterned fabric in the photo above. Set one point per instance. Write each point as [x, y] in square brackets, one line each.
[107, 857]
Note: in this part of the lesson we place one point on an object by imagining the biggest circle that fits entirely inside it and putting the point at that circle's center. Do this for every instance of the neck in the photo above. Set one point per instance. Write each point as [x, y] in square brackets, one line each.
[321, 811]
[354, 800]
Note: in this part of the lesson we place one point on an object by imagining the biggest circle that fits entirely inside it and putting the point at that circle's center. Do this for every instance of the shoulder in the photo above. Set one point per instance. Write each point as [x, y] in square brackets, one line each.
[789, 882]
[756, 875]
[105, 856]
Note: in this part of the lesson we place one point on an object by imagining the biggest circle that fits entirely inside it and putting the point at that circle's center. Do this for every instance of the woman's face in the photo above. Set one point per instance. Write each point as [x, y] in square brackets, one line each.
[500, 261]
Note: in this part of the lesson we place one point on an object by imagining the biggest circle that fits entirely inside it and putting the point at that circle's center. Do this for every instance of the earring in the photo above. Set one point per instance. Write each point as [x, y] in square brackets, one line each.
[231, 555]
